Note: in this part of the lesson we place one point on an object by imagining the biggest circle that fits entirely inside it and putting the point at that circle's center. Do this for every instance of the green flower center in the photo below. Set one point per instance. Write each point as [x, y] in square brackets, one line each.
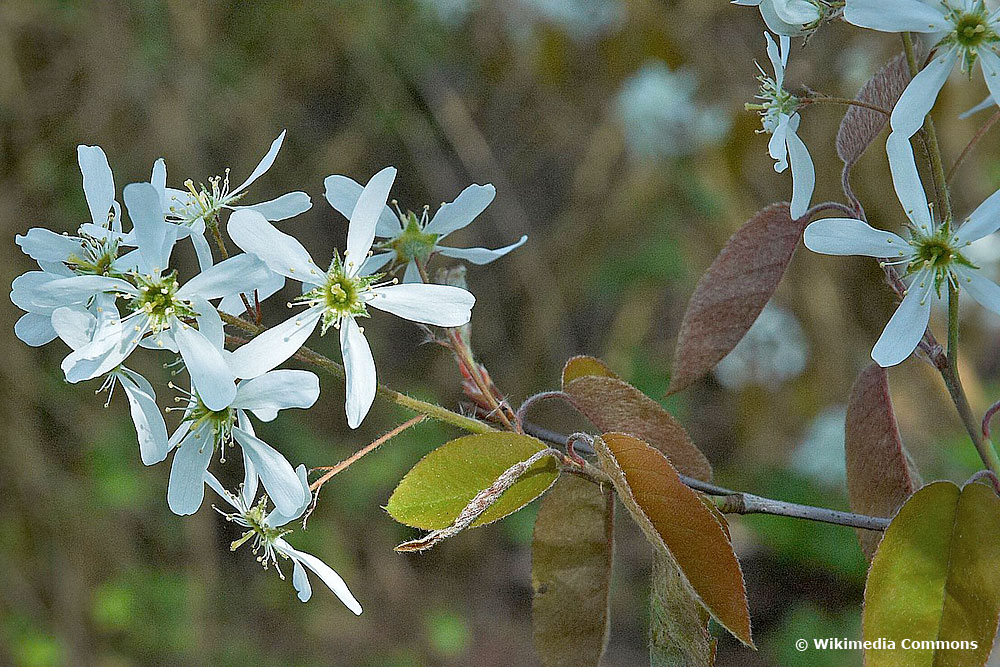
[971, 30]
[938, 252]
[158, 299]
[263, 535]
[413, 243]
[341, 295]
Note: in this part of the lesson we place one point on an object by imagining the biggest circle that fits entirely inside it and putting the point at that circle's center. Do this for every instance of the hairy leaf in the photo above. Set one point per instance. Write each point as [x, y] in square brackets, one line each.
[614, 405]
[583, 365]
[733, 291]
[436, 490]
[880, 475]
[571, 555]
[676, 523]
[934, 578]
[678, 624]
[861, 126]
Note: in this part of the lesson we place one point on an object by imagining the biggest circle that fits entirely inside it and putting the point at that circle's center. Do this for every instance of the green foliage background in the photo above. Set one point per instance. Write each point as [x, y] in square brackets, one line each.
[94, 570]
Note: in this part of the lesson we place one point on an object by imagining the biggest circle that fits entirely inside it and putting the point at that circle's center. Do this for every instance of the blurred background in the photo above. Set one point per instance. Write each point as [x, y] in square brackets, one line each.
[615, 133]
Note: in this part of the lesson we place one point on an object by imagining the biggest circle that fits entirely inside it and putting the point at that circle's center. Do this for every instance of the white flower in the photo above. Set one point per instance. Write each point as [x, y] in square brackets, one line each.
[661, 116]
[772, 352]
[196, 207]
[338, 296]
[966, 31]
[204, 430]
[266, 534]
[780, 119]
[932, 255]
[788, 17]
[409, 239]
[158, 304]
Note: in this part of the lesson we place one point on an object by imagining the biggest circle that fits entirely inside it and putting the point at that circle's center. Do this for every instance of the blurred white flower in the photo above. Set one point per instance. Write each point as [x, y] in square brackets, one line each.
[580, 19]
[780, 119]
[933, 254]
[773, 351]
[820, 455]
[660, 115]
[338, 296]
[266, 535]
[788, 17]
[407, 239]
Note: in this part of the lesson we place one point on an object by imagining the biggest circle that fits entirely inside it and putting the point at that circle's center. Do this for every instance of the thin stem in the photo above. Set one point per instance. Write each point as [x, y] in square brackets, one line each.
[984, 446]
[845, 101]
[976, 138]
[367, 449]
[432, 410]
[953, 327]
[830, 205]
[213, 225]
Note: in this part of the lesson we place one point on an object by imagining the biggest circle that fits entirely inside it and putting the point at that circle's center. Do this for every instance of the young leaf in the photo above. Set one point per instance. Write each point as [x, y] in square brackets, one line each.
[582, 366]
[676, 523]
[614, 405]
[678, 624]
[880, 475]
[934, 578]
[733, 291]
[571, 555]
[861, 126]
[436, 490]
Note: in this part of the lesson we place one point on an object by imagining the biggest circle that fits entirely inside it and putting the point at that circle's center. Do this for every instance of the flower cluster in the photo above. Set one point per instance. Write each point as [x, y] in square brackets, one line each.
[112, 287]
[932, 257]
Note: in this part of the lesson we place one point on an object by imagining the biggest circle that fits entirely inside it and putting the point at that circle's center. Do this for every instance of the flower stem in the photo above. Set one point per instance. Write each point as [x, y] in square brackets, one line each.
[824, 99]
[976, 138]
[432, 410]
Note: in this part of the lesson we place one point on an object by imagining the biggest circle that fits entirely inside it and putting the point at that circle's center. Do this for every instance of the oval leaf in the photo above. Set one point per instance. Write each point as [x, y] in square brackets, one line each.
[676, 522]
[934, 578]
[582, 366]
[614, 405]
[441, 485]
[678, 624]
[731, 294]
[880, 475]
[861, 126]
[571, 555]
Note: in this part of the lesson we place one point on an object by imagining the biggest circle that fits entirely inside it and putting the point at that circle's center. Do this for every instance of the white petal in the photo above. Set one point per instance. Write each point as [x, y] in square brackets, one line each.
[149, 426]
[982, 289]
[78, 289]
[216, 486]
[803, 175]
[186, 487]
[24, 290]
[847, 236]
[895, 15]
[225, 278]
[907, 325]
[209, 322]
[209, 371]
[202, 251]
[359, 367]
[324, 572]
[250, 477]
[300, 580]
[158, 179]
[343, 192]
[921, 93]
[796, 11]
[376, 262]
[98, 182]
[778, 57]
[274, 346]
[276, 519]
[45, 245]
[154, 235]
[112, 344]
[472, 201]
[982, 222]
[777, 147]
[412, 273]
[774, 22]
[277, 390]
[233, 304]
[480, 255]
[906, 180]
[286, 206]
[276, 473]
[35, 329]
[988, 103]
[281, 252]
[440, 305]
[75, 325]
[361, 230]
[264, 164]
[989, 62]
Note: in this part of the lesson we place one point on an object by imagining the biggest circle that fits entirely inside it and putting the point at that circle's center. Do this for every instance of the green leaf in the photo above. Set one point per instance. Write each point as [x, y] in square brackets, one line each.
[678, 624]
[614, 405]
[582, 366]
[440, 485]
[571, 572]
[677, 523]
[934, 578]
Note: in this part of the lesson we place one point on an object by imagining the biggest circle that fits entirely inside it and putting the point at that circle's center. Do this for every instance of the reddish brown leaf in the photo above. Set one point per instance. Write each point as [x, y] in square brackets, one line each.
[676, 523]
[614, 405]
[880, 474]
[571, 554]
[861, 126]
[731, 294]
[583, 365]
